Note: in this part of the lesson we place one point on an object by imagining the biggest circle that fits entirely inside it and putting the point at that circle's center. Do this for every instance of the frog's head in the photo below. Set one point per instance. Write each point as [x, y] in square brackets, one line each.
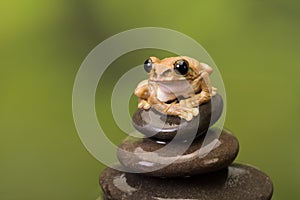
[175, 76]
[174, 69]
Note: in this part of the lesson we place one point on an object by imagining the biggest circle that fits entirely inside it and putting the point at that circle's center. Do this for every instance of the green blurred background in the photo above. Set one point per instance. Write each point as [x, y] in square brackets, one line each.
[42, 44]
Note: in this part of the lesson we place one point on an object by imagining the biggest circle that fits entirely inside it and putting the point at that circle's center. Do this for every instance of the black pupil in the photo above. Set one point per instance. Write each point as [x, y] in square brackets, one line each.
[148, 65]
[181, 67]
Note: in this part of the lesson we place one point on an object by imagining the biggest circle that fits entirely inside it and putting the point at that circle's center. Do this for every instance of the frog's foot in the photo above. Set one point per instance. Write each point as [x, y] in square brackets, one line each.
[175, 109]
[189, 103]
[144, 104]
[213, 91]
[188, 110]
[189, 114]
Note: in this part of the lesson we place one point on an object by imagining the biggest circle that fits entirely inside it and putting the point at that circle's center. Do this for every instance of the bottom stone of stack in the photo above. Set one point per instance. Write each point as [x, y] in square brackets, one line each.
[236, 182]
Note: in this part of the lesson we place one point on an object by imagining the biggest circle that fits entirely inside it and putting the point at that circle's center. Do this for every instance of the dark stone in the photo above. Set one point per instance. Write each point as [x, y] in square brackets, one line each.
[237, 182]
[208, 153]
[155, 124]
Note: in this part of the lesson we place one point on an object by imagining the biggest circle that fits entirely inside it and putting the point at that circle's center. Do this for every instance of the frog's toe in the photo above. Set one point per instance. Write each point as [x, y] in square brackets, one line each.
[186, 104]
[144, 104]
[188, 116]
[147, 106]
[182, 103]
[195, 111]
[213, 91]
[194, 103]
[140, 105]
[189, 104]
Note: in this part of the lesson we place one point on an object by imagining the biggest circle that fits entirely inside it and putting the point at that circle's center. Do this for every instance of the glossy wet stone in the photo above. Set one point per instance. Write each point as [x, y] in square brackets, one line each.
[237, 182]
[208, 153]
[154, 124]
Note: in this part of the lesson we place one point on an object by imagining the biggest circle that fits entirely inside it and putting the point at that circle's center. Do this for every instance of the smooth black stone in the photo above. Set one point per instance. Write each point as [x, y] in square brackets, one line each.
[152, 157]
[166, 127]
[237, 182]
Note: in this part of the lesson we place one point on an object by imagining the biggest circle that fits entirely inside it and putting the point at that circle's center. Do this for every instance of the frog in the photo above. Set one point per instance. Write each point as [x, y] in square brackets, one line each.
[176, 86]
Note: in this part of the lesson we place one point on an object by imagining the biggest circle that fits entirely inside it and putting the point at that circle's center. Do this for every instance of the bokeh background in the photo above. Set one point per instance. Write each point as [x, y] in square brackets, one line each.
[42, 44]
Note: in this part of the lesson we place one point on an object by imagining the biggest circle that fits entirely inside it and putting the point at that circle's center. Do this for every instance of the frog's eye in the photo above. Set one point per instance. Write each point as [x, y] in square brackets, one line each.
[181, 67]
[148, 65]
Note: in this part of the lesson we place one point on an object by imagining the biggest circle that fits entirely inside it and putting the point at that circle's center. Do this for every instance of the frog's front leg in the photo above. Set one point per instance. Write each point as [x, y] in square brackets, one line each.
[175, 109]
[204, 96]
[142, 103]
[186, 113]
[172, 109]
[142, 92]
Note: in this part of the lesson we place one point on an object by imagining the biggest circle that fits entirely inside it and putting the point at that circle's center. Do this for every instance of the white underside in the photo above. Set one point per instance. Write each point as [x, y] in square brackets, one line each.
[170, 91]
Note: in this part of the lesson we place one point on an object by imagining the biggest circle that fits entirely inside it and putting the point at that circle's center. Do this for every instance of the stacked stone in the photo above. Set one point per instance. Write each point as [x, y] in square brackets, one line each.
[183, 160]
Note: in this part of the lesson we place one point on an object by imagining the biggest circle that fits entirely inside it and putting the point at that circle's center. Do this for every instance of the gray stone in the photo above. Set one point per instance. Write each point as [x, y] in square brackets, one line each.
[208, 153]
[237, 182]
[155, 124]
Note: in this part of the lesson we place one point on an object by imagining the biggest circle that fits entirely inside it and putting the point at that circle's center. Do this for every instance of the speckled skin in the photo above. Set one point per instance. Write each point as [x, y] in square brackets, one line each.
[237, 182]
[166, 85]
[225, 150]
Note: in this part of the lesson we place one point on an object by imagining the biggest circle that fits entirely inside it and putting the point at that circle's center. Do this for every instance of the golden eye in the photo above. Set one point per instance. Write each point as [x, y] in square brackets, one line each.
[181, 67]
